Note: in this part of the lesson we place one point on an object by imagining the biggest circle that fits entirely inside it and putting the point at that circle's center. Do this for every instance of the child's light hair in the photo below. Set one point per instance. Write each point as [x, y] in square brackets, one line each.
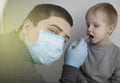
[106, 8]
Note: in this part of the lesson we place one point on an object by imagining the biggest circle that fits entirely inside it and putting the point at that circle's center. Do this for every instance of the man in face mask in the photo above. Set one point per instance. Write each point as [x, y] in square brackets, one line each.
[40, 39]
[45, 39]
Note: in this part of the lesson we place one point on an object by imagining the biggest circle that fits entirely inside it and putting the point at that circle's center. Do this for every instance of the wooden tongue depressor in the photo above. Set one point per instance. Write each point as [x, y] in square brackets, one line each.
[85, 38]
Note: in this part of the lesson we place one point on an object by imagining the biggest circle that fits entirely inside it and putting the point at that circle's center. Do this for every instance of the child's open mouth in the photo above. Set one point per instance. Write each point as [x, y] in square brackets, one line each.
[91, 36]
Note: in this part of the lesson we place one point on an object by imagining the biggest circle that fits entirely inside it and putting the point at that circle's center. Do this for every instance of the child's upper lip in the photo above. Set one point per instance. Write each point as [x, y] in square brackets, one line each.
[91, 35]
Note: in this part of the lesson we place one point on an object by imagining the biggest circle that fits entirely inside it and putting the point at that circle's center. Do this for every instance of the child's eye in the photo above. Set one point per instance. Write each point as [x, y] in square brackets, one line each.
[88, 25]
[96, 26]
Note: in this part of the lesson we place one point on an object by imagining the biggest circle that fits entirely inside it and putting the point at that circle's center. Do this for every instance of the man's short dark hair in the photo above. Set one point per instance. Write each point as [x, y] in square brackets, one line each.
[44, 11]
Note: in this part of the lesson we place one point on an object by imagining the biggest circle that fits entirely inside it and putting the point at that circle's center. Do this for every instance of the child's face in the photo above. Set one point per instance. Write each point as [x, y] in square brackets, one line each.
[98, 28]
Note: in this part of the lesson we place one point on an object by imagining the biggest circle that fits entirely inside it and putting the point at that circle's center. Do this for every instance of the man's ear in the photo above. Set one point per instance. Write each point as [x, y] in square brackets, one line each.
[27, 24]
[111, 28]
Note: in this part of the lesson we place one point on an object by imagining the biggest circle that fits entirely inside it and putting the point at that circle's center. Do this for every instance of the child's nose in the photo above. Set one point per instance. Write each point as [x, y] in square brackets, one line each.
[90, 28]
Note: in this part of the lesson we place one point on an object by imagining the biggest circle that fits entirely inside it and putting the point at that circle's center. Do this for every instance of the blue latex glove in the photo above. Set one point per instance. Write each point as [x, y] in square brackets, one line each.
[75, 56]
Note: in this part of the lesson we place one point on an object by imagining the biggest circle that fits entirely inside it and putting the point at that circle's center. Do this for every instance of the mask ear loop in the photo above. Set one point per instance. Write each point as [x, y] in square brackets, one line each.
[41, 31]
[27, 41]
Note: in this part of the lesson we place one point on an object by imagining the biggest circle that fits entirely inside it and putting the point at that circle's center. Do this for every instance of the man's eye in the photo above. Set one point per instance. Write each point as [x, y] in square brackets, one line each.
[66, 40]
[53, 31]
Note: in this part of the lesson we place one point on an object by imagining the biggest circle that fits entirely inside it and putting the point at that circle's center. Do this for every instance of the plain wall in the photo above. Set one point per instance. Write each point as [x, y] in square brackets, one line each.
[17, 10]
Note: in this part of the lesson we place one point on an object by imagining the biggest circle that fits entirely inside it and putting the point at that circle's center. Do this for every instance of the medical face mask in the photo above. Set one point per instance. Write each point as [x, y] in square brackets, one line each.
[47, 49]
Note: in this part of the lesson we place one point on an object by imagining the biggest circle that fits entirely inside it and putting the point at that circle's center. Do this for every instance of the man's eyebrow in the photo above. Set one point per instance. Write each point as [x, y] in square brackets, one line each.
[59, 29]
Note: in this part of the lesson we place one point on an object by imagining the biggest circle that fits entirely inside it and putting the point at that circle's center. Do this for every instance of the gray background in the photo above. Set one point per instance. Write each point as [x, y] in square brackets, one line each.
[17, 10]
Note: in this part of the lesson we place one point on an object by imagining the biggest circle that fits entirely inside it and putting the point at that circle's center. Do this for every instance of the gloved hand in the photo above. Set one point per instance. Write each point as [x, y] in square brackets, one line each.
[75, 56]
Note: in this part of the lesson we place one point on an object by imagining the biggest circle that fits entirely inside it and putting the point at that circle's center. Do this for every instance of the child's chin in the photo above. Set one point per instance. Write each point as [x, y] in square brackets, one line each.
[93, 42]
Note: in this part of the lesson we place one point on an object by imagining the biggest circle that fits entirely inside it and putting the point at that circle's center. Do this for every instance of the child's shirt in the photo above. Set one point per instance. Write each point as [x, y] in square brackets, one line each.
[102, 64]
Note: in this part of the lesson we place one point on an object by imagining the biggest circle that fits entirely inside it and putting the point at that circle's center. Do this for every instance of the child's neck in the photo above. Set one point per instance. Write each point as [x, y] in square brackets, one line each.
[105, 42]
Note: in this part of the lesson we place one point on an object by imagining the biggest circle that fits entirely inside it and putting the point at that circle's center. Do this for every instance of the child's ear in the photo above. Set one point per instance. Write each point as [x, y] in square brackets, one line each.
[111, 28]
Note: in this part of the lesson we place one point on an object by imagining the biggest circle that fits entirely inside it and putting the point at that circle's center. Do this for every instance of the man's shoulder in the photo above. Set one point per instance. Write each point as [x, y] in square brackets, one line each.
[7, 34]
[9, 37]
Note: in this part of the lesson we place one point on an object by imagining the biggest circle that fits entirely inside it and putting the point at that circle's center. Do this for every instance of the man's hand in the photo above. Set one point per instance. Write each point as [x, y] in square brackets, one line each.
[75, 56]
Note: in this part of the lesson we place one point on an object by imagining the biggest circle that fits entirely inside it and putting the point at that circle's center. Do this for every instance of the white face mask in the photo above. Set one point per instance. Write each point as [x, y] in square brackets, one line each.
[47, 49]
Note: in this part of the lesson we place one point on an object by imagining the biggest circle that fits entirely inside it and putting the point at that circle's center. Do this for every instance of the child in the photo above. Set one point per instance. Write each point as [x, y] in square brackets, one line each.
[103, 62]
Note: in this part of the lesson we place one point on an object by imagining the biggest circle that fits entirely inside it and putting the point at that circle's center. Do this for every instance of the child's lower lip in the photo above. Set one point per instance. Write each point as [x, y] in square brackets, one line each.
[91, 38]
